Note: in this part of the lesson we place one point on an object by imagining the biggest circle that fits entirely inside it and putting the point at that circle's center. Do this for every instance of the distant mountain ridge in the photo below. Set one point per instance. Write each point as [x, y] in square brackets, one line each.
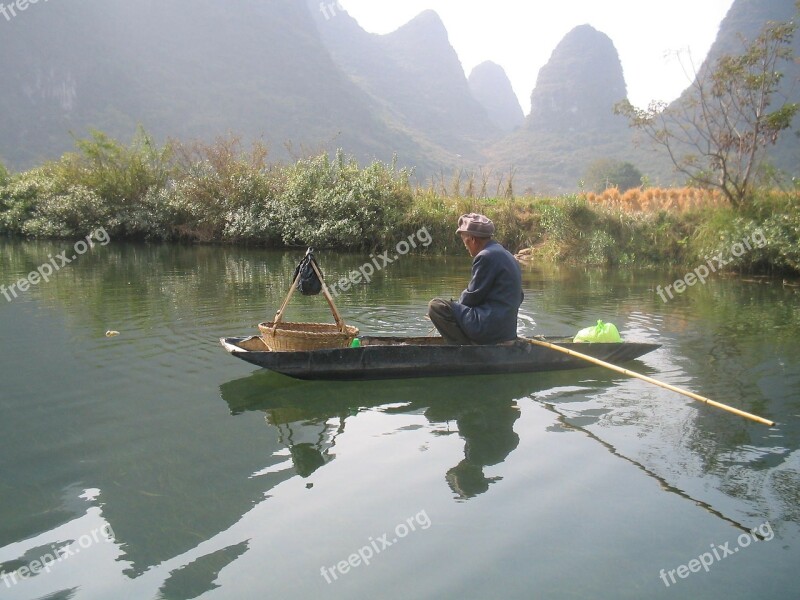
[415, 76]
[492, 88]
[579, 85]
[305, 80]
[571, 123]
[185, 69]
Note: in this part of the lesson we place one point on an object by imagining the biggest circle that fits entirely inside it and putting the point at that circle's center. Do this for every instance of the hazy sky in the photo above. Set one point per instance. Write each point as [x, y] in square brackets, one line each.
[520, 35]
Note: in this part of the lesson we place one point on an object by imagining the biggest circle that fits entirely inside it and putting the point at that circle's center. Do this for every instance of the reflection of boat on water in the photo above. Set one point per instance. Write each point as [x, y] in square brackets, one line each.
[310, 416]
[411, 357]
[484, 409]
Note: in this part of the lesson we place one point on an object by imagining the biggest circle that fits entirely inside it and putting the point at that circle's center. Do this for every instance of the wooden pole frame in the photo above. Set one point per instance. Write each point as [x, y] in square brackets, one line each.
[336, 316]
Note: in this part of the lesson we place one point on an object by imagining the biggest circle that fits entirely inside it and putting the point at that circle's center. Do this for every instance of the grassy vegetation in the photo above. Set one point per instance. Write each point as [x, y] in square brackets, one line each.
[223, 193]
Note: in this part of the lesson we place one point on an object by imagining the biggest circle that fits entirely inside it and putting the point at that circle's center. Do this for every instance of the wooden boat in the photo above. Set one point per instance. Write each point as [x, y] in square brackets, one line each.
[405, 357]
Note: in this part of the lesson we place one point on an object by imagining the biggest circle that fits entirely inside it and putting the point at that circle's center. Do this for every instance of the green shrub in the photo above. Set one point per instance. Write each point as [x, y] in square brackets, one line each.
[252, 224]
[222, 193]
[20, 197]
[120, 175]
[210, 207]
[70, 214]
[336, 204]
[773, 215]
[600, 248]
[782, 251]
[152, 217]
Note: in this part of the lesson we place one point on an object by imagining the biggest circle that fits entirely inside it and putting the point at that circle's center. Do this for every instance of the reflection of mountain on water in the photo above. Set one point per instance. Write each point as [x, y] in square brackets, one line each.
[169, 476]
[192, 580]
[165, 494]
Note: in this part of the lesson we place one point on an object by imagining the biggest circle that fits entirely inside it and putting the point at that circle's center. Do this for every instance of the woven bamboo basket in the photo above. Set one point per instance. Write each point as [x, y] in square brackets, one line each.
[288, 337]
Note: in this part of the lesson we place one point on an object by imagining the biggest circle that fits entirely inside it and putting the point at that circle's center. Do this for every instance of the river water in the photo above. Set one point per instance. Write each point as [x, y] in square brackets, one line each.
[154, 465]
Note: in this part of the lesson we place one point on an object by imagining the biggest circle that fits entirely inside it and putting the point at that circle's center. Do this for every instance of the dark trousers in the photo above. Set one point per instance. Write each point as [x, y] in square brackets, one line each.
[441, 315]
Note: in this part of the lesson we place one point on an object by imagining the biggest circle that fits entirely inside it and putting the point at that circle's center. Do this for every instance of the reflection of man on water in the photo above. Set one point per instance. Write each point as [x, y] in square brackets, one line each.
[486, 426]
[488, 431]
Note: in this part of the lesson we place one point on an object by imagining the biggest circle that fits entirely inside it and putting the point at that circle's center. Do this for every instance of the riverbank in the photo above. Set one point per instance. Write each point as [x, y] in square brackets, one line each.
[221, 193]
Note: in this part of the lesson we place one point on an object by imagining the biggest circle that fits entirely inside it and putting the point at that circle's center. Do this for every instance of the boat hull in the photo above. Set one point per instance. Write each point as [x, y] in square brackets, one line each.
[400, 358]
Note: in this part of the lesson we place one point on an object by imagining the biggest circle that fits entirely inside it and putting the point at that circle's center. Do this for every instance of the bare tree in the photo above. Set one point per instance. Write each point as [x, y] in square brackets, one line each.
[717, 134]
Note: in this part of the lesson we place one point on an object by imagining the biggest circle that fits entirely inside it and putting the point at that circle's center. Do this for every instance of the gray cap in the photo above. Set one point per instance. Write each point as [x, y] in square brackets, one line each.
[475, 225]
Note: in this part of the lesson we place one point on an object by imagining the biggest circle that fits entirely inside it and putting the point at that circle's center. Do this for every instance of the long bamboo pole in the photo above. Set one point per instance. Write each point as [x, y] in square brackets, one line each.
[667, 386]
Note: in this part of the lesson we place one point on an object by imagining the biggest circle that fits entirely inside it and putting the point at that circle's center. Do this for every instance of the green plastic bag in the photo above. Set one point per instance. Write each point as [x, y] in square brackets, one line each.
[602, 332]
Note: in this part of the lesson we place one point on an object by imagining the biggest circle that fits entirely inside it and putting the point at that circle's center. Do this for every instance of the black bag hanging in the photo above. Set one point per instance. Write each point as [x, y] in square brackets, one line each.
[308, 284]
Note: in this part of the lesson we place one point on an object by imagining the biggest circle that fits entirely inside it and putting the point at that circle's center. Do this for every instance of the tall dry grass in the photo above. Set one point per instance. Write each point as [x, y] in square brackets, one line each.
[658, 199]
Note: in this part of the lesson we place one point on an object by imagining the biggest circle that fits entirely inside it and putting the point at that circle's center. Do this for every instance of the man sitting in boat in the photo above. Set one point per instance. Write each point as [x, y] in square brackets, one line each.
[486, 312]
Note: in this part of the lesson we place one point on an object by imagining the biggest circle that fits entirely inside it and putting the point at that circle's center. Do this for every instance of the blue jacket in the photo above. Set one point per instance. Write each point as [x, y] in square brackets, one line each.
[487, 310]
